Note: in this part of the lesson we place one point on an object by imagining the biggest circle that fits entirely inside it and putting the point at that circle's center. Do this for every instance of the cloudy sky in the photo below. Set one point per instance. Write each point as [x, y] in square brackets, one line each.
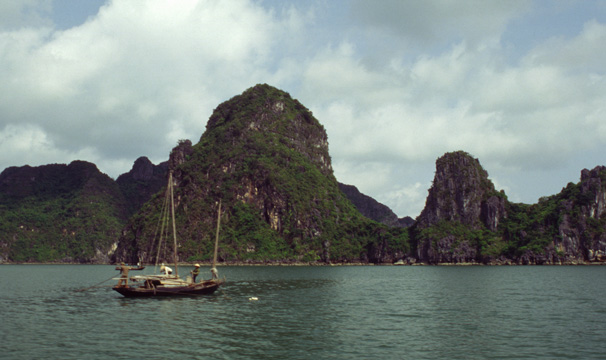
[518, 84]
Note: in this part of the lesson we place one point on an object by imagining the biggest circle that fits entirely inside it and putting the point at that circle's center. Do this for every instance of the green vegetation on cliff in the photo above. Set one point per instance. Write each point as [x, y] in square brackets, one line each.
[265, 157]
[66, 213]
[466, 220]
[543, 229]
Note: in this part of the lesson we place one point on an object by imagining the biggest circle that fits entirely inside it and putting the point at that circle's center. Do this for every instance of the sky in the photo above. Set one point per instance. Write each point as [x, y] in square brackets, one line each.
[518, 84]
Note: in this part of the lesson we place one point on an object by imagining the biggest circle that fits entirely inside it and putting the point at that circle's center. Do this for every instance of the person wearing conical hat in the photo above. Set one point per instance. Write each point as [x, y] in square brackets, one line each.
[195, 272]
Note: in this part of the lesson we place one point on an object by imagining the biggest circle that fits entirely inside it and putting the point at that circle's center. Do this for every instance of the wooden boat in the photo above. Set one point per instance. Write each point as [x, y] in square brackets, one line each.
[168, 284]
[158, 285]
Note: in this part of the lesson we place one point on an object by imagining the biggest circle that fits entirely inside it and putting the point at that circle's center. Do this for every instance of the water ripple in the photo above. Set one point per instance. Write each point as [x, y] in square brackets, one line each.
[309, 313]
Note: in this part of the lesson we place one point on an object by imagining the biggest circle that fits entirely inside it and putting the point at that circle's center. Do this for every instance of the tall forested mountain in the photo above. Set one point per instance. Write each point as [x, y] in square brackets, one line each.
[265, 158]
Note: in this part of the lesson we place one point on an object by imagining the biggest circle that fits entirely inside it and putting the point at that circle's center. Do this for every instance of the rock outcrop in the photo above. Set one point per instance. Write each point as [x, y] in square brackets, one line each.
[463, 197]
[570, 226]
[59, 213]
[265, 157]
[141, 182]
[465, 220]
[370, 207]
[462, 192]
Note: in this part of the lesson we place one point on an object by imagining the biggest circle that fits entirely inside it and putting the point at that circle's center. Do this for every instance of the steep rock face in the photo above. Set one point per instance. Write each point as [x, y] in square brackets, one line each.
[462, 192]
[593, 222]
[463, 197]
[406, 221]
[141, 182]
[566, 228]
[369, 207]
[66, 213]
[264, 110]
[466, 221]
[46, 180]
[581, 225]
[265, 158]
[592, 188]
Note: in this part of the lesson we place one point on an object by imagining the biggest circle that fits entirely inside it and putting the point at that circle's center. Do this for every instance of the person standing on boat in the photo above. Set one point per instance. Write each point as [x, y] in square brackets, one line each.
[195, 272]
[165, 269]
[124, 269]
[214, 272]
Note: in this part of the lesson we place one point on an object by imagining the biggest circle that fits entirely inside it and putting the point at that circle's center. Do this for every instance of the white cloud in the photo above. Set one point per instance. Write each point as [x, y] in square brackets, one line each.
[128, 81]
[535, 114]
[24, 13]
[441, 21]
[31, 144]
[576, 54]
[405, 195]
[395, 83]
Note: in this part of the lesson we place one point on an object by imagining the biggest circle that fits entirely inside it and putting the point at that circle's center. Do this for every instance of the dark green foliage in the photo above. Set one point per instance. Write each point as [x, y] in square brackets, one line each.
[249, 238]
[534, 227]
[265, 157]
[482, 242]
[530, 227]
[142, 182]
[527, 231]
[69, 213]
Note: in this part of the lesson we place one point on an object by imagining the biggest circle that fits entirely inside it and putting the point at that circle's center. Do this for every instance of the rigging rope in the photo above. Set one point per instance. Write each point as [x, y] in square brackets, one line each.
[162, 222]
[90, 287]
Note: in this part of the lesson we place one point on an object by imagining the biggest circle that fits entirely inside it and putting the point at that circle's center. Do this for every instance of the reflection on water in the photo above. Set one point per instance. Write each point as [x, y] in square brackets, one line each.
[309, 313]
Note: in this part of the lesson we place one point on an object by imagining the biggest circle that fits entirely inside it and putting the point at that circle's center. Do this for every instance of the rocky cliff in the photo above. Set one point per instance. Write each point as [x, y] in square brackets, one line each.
[265, 157]
[277, 152]
[373, 209]
[465, 220]
[59, 213]
[461, 192]
[566, 228]
[141, 182]
[461, 201]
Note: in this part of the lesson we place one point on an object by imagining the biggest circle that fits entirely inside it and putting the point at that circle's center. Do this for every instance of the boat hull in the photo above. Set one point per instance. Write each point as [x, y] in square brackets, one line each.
[206, 287]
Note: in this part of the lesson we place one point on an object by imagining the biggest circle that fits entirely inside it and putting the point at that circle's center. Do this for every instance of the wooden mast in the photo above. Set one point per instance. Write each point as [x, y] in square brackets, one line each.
[172, 210]
[217, 237]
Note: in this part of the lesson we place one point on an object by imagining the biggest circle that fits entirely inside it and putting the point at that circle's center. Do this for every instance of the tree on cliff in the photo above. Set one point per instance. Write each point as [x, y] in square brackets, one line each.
[465, 220]
[265, 156]
[66, 213]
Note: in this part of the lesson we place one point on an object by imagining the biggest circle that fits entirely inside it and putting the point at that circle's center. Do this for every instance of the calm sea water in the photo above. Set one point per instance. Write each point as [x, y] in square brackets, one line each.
[475, 312]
